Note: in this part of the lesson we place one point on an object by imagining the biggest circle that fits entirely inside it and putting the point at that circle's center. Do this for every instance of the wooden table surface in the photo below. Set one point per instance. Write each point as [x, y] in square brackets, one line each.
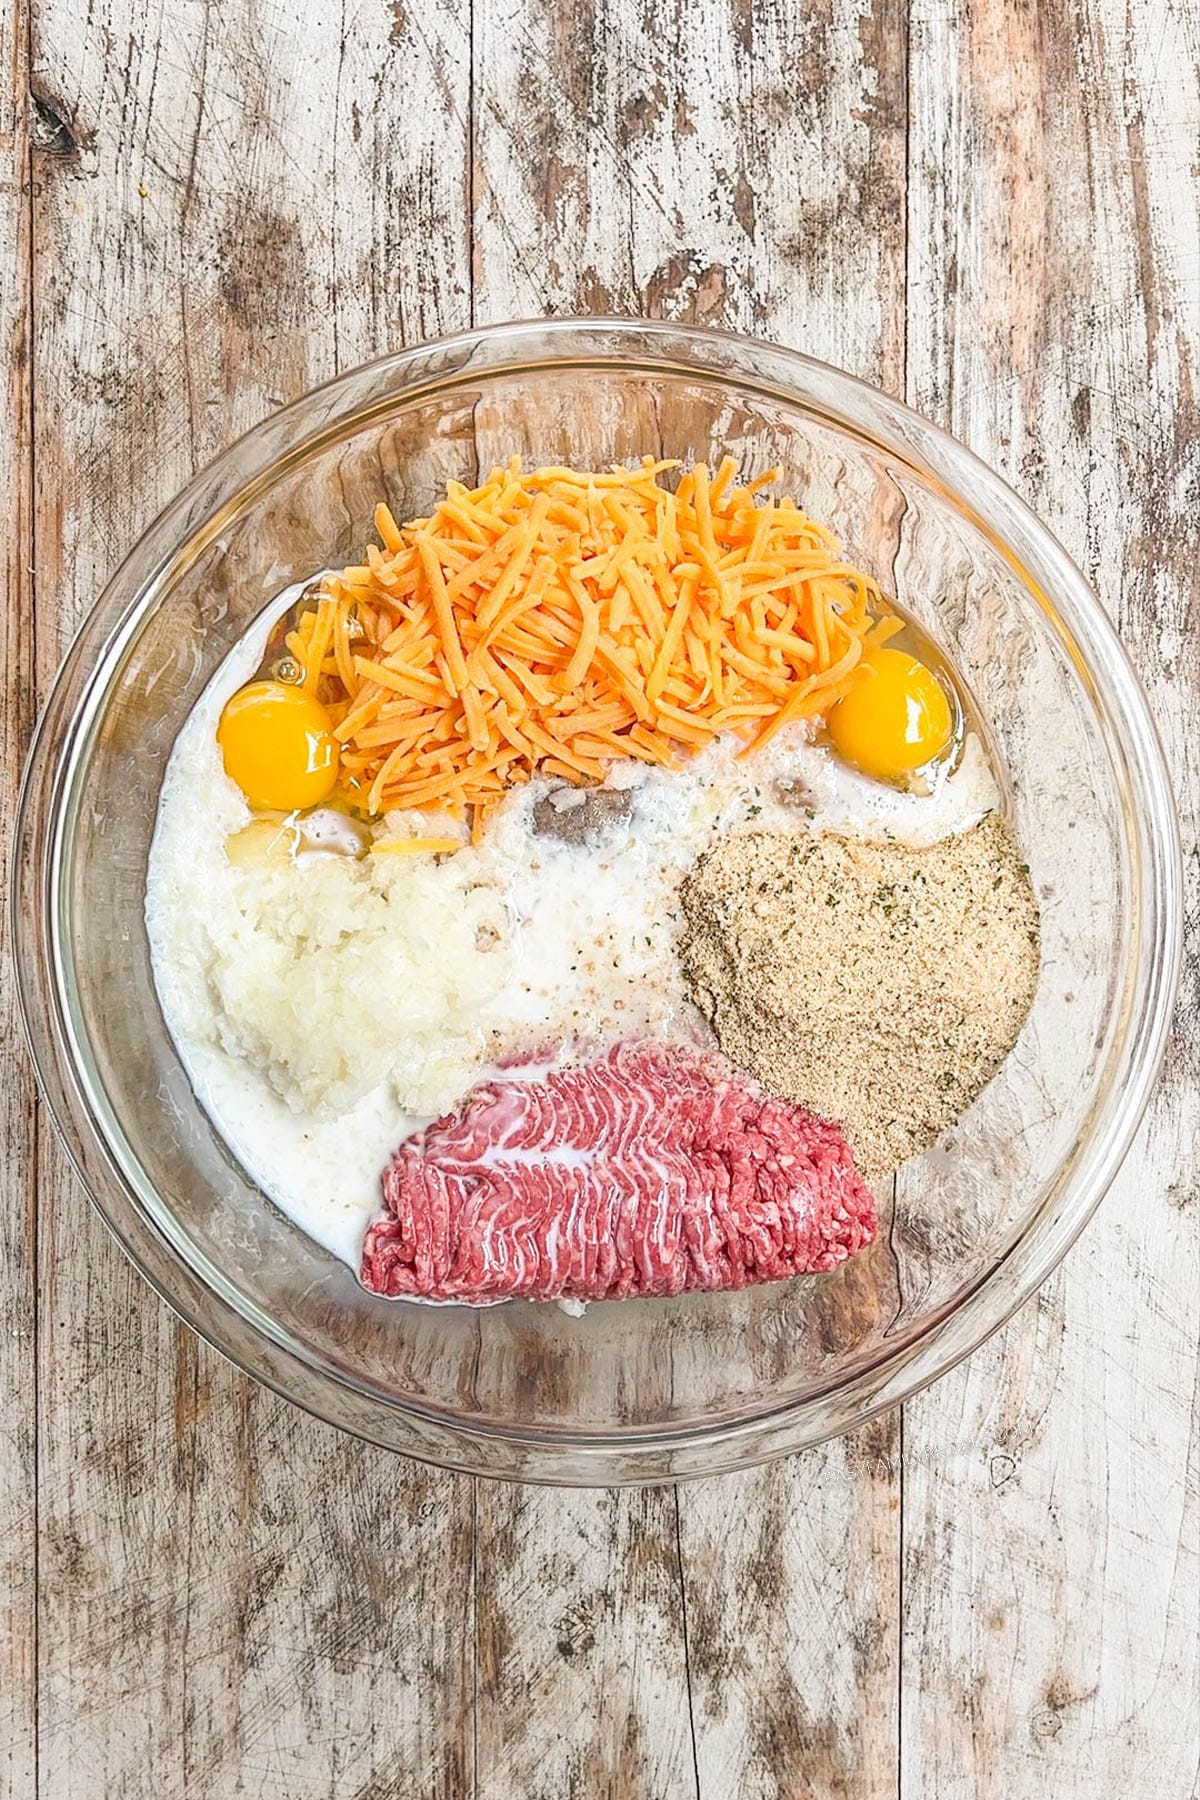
[990, 208]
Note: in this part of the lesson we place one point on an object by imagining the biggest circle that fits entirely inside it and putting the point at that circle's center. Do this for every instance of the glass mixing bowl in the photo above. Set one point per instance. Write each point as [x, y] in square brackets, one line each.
[645, 1390]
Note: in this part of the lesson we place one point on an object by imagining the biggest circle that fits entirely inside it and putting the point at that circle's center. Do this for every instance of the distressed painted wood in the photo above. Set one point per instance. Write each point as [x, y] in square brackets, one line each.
[993, 206]
[18, 1388]
[581, 1672]
[234, 1599]
[689, 176]
[1050, 1568]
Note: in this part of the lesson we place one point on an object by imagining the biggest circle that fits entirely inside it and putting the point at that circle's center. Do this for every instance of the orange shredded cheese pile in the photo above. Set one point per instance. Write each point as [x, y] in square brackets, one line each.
[553, 621]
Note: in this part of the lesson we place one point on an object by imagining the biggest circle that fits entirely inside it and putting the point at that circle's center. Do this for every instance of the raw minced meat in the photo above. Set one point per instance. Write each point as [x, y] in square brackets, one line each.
[654, 1170]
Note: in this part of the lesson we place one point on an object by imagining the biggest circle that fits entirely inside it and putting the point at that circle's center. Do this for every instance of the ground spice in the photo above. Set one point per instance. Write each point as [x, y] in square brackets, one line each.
[880, 985]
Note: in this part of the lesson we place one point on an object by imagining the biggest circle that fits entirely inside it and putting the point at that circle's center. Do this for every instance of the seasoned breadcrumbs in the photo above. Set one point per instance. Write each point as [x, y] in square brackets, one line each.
[878, 984]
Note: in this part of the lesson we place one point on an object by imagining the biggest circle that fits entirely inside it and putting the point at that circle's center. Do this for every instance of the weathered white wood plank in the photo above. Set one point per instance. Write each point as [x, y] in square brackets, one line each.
[792, 1613]
[745, 171]
[741, 167]
[791, 1572]
[582, 1676]
[231, 203]
[1050, 1572]
[18, 1390]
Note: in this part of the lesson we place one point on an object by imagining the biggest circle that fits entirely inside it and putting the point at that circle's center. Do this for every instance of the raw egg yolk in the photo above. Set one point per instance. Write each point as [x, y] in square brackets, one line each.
[278, 746]
[896, 719]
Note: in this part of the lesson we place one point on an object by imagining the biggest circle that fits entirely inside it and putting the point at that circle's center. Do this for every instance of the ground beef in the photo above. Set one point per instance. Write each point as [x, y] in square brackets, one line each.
[583, 816]
[654, 1170]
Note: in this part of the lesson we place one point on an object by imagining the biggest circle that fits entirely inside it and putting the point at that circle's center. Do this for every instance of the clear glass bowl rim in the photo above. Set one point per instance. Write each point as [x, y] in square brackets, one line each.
[198, 1292]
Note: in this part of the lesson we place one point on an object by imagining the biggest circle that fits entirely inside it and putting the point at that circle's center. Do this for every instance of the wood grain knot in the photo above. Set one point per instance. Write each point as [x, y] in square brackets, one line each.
[55, 130]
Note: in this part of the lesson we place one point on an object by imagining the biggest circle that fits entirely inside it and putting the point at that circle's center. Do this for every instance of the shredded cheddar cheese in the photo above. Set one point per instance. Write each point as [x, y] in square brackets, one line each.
[554, 621]
[415, 846]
